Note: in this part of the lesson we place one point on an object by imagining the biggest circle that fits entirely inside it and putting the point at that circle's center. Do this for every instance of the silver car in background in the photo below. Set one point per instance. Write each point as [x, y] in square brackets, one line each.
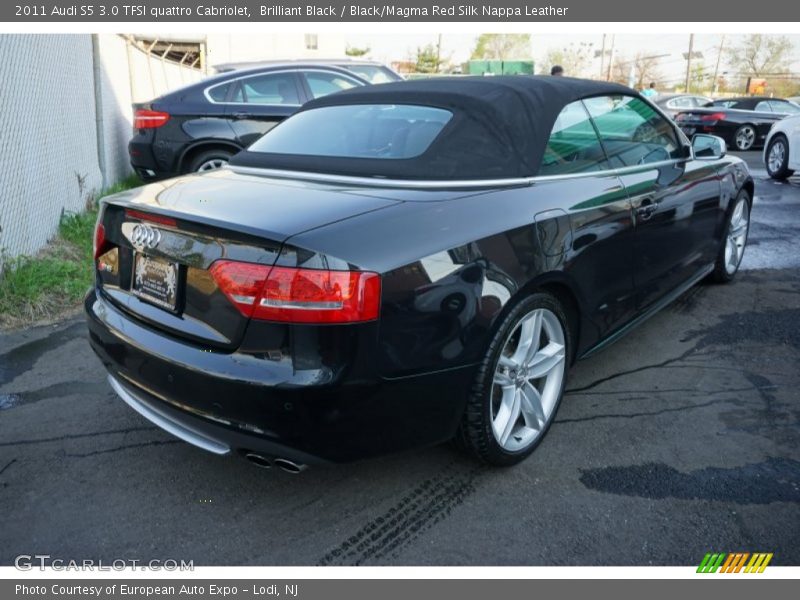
[782, 148]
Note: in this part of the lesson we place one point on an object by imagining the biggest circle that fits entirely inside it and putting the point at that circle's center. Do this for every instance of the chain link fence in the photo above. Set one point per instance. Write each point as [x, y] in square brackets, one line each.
[48, 149]
[65, 121]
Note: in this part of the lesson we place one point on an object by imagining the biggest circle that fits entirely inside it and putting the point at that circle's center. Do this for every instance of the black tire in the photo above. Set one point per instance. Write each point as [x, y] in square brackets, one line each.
[475, 434]
[721, 274]
[782, 171]
[741, 145]
[217, 154]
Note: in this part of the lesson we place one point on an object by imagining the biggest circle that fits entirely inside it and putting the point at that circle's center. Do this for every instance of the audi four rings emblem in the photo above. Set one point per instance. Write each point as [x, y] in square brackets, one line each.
[144, 236]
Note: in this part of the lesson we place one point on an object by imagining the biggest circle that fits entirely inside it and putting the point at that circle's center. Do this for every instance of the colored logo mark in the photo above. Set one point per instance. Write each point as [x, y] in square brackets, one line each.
[735, 562]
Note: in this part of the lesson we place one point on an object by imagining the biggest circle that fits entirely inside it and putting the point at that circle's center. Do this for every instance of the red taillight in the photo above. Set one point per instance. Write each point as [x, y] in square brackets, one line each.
[101, 246]
[240, 282]
[713, 117]
[311, 296]
[143, 216]
[295, 295]
[149, 119]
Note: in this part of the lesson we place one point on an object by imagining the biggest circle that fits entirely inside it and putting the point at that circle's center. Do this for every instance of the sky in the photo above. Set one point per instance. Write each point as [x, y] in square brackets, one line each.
[392, 47]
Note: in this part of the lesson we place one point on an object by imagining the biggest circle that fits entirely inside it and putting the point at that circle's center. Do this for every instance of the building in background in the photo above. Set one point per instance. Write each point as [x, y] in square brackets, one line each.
[225, 48]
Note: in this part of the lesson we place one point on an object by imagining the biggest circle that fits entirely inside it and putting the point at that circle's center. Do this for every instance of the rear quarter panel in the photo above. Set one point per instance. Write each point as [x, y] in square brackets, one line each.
[734, 176]
[452, 267]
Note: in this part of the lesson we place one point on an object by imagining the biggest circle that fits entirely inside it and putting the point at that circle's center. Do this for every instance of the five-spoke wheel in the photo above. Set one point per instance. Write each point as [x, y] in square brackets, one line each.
[520, 382]
[778, 158]
[735, 240]
[212, 165]
[210, 160]
[745, 137]
[737, 236]
[527, 379]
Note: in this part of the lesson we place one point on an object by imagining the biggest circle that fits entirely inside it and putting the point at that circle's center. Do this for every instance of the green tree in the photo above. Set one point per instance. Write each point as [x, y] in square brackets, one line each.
[759, 55]
[785, 87]
[355, 51]
[576, 59]
[502, 46]
[700, 80]
[427, 59]
[645, 70]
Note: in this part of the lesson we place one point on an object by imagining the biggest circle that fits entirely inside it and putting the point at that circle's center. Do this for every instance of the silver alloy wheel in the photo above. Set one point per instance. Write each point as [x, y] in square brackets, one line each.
[776, 156]
[527, 380]
[745, 137]
[212, 164]
[737, 236]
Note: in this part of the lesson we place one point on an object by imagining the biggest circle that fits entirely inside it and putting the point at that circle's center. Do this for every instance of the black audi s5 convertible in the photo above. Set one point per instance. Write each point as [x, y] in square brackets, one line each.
[399, 265]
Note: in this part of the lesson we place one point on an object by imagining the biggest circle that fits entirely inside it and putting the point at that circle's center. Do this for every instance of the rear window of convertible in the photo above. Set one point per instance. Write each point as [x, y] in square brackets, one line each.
[393, 131]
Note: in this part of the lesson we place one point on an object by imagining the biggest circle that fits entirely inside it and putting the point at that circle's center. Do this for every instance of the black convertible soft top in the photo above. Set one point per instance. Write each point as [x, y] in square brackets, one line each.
[499, 128]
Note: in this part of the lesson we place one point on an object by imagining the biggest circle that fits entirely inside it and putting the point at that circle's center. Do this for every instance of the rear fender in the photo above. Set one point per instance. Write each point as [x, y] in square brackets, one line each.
[201, 146]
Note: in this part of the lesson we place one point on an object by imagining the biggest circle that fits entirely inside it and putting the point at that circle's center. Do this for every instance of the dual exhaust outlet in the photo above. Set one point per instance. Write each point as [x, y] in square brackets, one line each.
[267, 462]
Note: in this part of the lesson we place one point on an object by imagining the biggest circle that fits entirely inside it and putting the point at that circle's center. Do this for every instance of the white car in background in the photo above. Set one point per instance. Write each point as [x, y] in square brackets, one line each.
[782, 148]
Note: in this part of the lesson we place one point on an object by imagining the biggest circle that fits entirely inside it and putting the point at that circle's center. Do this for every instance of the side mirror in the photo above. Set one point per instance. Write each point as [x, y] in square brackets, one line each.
[708, 147]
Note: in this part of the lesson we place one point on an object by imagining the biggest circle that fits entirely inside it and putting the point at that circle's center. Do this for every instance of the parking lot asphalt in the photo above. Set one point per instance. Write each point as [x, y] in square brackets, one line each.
[680, 439]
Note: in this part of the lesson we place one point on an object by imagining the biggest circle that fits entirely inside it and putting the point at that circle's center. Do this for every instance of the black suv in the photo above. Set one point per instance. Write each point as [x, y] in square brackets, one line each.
[199, 127]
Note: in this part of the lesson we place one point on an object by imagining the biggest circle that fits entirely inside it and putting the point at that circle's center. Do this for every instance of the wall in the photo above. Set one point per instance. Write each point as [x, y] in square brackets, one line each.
[222, 47]
[116, 122]
[48, 163]
[65, 122]
[151, 77]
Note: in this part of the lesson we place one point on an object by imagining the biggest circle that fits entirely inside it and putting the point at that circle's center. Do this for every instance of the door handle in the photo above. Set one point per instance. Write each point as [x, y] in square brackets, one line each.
[647, 209]
[239, 115]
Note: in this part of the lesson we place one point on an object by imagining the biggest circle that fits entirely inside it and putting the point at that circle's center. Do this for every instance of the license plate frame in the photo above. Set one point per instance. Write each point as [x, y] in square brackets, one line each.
[156, 281]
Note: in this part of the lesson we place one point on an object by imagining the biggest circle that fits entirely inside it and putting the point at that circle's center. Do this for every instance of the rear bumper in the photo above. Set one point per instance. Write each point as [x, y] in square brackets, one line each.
[200, 432]
[147, 174]
[691, 128]
[168, 421]
[234, 402]
[145, 162]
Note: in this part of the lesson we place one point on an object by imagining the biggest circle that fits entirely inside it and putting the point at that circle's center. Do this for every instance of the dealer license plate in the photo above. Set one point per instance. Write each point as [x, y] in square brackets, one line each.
[155, 280]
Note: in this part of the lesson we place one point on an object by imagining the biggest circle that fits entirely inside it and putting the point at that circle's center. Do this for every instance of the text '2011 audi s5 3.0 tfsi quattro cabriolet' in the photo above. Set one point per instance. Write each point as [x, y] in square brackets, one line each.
[400, 265]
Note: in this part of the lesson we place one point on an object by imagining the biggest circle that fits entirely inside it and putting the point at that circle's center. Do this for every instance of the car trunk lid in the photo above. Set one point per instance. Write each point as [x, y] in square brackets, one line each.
[160, 241]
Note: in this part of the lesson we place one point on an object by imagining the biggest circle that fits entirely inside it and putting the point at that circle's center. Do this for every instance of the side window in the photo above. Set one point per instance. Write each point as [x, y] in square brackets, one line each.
[682, 102]
[218, 93]
[632, 132]
[780, 106]
[238, 94]
[763, 106]
[270, 88]
[321, 83]
[573, 146]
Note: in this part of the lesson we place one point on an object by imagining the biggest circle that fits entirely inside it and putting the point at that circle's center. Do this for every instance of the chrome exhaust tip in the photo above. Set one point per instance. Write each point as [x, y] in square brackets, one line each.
[289, 465]
[259, 460]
